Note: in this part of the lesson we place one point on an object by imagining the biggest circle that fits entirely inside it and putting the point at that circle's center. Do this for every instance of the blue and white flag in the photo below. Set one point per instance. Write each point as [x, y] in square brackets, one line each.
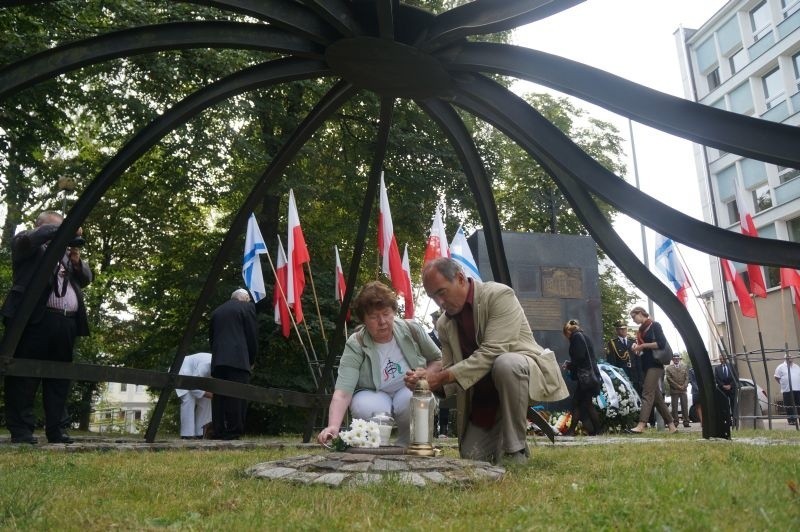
[251, 265]
[668, 264]
[460, 252]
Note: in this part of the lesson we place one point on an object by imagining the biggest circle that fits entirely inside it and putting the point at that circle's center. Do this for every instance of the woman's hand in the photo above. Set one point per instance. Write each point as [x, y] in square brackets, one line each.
[327, 434]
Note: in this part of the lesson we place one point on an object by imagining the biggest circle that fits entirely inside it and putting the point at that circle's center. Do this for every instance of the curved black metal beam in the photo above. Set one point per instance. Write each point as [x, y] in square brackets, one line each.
[480, 18]
[47, 369]
[286, 14]
[278, 71]
[750, 137]
[461, 140]
[338, 14]
[146, 39]
[506, 115]
[336, 342]
[332, 101]
[667, 221]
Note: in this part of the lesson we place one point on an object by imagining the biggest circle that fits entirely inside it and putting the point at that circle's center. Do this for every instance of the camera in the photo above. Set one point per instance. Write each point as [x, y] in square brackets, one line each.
[76, 242]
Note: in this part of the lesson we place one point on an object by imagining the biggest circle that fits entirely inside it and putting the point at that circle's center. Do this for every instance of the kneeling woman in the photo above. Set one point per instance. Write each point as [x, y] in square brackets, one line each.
[374, 362]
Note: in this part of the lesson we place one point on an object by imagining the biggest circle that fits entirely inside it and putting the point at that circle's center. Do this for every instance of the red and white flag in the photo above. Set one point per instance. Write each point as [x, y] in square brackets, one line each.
[757, 285]
[297, 254]
[341, 284]
[791, 279]
[437, 240]
[391, 264]
[733, 277]
[279, 293]
[408, 294]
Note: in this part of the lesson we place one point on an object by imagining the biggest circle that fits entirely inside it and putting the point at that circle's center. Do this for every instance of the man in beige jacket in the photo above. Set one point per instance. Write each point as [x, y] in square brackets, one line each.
[491, 361]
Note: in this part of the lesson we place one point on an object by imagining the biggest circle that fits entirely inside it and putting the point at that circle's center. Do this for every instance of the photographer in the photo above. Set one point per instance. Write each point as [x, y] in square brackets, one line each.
[58, 318]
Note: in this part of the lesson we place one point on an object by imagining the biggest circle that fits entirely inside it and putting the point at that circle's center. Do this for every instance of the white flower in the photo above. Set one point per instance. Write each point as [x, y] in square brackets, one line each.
[362, 434]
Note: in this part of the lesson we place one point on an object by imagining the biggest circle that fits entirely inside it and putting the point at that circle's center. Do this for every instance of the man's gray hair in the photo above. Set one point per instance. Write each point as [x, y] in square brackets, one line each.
[48, 217]
[445, 266]
[241, 294]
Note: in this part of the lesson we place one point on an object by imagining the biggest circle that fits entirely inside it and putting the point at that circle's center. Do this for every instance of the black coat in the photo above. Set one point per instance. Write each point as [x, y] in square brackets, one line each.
[27, 249]
[233, 335]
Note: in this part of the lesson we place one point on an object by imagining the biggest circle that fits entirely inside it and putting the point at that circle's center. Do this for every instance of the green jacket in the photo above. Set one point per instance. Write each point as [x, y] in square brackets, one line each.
[359, 367]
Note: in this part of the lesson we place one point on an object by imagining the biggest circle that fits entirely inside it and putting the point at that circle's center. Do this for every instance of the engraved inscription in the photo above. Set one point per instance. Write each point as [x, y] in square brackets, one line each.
[562, 282]
[543, 314]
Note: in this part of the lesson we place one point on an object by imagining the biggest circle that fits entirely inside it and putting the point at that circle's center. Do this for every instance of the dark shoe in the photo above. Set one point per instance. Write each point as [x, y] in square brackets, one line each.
[687, 425]
[64, 438]
[30, 440]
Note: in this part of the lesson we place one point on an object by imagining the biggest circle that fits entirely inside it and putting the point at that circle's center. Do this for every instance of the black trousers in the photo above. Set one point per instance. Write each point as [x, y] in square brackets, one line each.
[787, 404]
[52, 338]
[228, 413]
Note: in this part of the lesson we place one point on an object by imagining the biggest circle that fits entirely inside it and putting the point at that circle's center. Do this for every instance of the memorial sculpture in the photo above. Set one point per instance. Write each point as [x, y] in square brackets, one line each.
[398, 51]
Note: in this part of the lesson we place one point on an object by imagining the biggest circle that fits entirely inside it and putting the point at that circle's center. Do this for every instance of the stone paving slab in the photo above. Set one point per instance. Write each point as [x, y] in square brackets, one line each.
[338, 469]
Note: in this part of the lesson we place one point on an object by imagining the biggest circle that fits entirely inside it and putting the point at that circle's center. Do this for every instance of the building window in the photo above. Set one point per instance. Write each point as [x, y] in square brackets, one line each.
[774, 92]
[713, 79]
[739, 60]
[760, 21]
[733, 212]
[762, 199]
[793, 226]
[773, 278]
[123, 387]
[137, 415]
[796, 62]
[787, 174]
[789, 7]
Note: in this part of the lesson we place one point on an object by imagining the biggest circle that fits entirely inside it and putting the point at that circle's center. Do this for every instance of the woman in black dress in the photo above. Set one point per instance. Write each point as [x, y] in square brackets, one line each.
[583, 367]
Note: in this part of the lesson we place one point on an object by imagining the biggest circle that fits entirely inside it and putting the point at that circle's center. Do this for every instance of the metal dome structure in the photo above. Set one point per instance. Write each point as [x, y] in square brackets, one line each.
[440, 62]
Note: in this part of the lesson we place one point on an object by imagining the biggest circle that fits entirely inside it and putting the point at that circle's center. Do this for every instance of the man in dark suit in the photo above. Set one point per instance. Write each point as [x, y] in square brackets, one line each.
[58, 318]
[726, 382]
[233, 334]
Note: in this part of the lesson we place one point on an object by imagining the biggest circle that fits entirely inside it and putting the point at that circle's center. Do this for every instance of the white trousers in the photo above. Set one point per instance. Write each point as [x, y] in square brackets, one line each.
[195, 414]
[367, 403]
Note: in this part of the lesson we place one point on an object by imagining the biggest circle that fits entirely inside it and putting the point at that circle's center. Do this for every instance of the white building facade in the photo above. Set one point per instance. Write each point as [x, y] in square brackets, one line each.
[746, 59]
[121, 409]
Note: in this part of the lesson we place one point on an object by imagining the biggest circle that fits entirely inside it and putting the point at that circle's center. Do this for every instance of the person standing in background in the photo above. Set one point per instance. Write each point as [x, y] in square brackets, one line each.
[678, 381]
[233, 335]
[195, 404]
[787, 374]
[619, 353]
[57, 320]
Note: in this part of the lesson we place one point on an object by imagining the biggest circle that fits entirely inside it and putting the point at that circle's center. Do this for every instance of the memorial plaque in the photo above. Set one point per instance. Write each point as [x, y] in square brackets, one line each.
[543, 314]
[562, 282]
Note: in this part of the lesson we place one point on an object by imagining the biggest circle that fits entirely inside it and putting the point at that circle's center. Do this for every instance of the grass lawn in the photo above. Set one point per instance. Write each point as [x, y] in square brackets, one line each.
[674, 483]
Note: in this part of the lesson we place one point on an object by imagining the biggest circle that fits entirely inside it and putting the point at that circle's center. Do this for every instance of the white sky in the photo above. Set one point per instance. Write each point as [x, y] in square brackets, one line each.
[634, 39]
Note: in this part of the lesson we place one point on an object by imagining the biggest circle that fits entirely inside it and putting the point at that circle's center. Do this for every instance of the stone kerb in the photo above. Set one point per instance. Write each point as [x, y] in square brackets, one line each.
[347, 469]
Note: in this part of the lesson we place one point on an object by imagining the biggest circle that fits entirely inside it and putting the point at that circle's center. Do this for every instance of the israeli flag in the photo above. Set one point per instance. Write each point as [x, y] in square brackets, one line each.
[251, 265]
[460, 252]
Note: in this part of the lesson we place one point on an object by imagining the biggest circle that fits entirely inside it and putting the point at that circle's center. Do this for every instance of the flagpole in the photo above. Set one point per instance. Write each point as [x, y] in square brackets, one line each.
[316, 303]
[763, 358]
[291, 317]
[641, 225]
[696, 292]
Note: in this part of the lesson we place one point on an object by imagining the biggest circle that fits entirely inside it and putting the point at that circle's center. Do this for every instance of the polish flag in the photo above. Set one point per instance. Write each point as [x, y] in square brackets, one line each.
[791, 279]
[437, 241]
[297, 256]
[341, 285]
[279, 293]
[408, 295]
[733, 277]
[757, 285]
[391, 264]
